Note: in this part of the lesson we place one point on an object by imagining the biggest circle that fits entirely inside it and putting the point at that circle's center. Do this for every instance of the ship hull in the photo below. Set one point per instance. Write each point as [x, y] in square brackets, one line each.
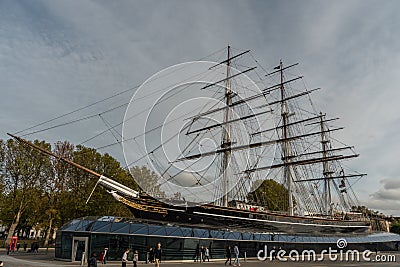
[210, 216]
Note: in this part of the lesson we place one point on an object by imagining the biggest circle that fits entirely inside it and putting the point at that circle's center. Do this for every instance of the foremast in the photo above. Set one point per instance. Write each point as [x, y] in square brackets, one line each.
[226, 142]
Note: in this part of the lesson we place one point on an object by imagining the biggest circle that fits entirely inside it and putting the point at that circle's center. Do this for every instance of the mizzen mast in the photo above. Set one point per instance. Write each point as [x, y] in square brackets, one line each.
[325, 168]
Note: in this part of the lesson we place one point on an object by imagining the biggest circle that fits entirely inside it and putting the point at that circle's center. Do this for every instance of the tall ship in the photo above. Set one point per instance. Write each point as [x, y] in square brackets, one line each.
[232, 151]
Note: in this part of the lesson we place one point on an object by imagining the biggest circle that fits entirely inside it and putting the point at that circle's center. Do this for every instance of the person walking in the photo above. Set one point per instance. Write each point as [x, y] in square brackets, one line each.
[236, 251]
[105, 255]
[197, 253]
[151, 255]
[158, 255]
[228, 255]
[92, 262]
[125, 257]
[206, 254]
[135, 258]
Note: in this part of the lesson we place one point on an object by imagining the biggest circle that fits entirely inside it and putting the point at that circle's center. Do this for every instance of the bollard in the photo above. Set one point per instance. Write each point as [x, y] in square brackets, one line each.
[245, 256]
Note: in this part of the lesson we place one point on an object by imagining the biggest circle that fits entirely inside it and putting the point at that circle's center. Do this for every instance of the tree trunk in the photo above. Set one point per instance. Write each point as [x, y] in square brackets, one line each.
[13, 227]
[46, 239]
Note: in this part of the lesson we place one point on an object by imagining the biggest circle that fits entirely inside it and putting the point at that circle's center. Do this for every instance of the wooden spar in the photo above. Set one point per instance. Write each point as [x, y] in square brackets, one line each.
[303, 162]
[323, 121]
[278, 86]
[229, 59]
[288, 124]
[47, 152]
[295, 64]
[331, 178]
[321, 151]
[288, 98]
[248, 146]
[244, 100]
[227, 78]
[223, 123]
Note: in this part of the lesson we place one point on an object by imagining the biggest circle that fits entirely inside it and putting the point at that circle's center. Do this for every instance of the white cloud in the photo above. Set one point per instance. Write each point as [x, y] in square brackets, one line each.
[387, 198]
[56, 56]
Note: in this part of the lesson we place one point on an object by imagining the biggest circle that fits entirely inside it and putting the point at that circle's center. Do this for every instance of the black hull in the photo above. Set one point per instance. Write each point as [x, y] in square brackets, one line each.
[209, 216]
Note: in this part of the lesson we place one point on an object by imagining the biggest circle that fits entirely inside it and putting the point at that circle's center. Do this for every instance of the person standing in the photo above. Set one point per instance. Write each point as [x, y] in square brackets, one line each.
[93, 260]
[228, 255]
[125, 258]
[135, 258]
[104, 260]
[236, 251]
[158, 255]
[206, 254]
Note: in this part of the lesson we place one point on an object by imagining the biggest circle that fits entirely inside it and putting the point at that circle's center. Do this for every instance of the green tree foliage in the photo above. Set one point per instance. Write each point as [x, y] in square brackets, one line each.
[395, 227]
[270, 194]
[38, 190]
[148, 180]
[23, 169]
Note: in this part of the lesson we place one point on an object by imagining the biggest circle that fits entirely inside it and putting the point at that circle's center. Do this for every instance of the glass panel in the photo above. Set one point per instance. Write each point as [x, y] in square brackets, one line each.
[157, 230]
[101, 226]
[187, 232]
[172, 231]
[200, 233]
[247, 236]
[139, 229]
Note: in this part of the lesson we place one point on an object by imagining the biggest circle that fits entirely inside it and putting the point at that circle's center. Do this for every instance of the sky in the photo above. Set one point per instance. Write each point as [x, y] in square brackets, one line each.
[57, 56]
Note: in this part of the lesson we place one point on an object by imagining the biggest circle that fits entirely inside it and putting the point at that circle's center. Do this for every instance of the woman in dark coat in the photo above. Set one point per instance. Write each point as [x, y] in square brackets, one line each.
[228, 255]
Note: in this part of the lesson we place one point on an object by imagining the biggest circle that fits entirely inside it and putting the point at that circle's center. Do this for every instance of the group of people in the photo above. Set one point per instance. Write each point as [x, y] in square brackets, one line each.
[202, 254]
[154, 256]
[92, 262]
[229, 255]
[16, 247]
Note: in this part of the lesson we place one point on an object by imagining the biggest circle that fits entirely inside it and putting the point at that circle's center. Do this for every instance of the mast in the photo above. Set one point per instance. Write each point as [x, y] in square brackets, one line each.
[286, 144]
[326, 172]
[226, 142]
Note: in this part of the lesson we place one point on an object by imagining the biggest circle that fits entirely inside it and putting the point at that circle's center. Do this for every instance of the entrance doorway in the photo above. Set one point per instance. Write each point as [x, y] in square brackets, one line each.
[80, 249]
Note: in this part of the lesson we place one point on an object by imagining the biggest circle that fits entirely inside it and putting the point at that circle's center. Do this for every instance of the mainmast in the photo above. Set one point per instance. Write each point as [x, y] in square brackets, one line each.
[286, 144]
[326, 172]
[226, 142]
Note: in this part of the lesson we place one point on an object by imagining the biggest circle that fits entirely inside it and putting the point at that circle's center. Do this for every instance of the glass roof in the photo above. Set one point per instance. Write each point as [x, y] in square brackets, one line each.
[130, 226]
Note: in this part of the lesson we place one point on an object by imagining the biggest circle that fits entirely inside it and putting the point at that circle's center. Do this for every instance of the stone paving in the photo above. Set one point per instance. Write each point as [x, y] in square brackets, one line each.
[47, 260]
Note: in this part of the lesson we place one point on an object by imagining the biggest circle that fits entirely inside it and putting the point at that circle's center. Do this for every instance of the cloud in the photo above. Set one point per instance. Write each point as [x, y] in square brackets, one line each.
[387, 198]
[56, 56]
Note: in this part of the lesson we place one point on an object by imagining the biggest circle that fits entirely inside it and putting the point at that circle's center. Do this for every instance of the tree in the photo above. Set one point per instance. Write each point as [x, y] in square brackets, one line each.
[395, 227]
[38, 190]
[23, 168]
[53, 184]
[80, 185]
[148, 180]
[270, 194]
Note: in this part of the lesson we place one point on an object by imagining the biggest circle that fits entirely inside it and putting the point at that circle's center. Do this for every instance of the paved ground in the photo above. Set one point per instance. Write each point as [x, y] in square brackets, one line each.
[47, 260]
